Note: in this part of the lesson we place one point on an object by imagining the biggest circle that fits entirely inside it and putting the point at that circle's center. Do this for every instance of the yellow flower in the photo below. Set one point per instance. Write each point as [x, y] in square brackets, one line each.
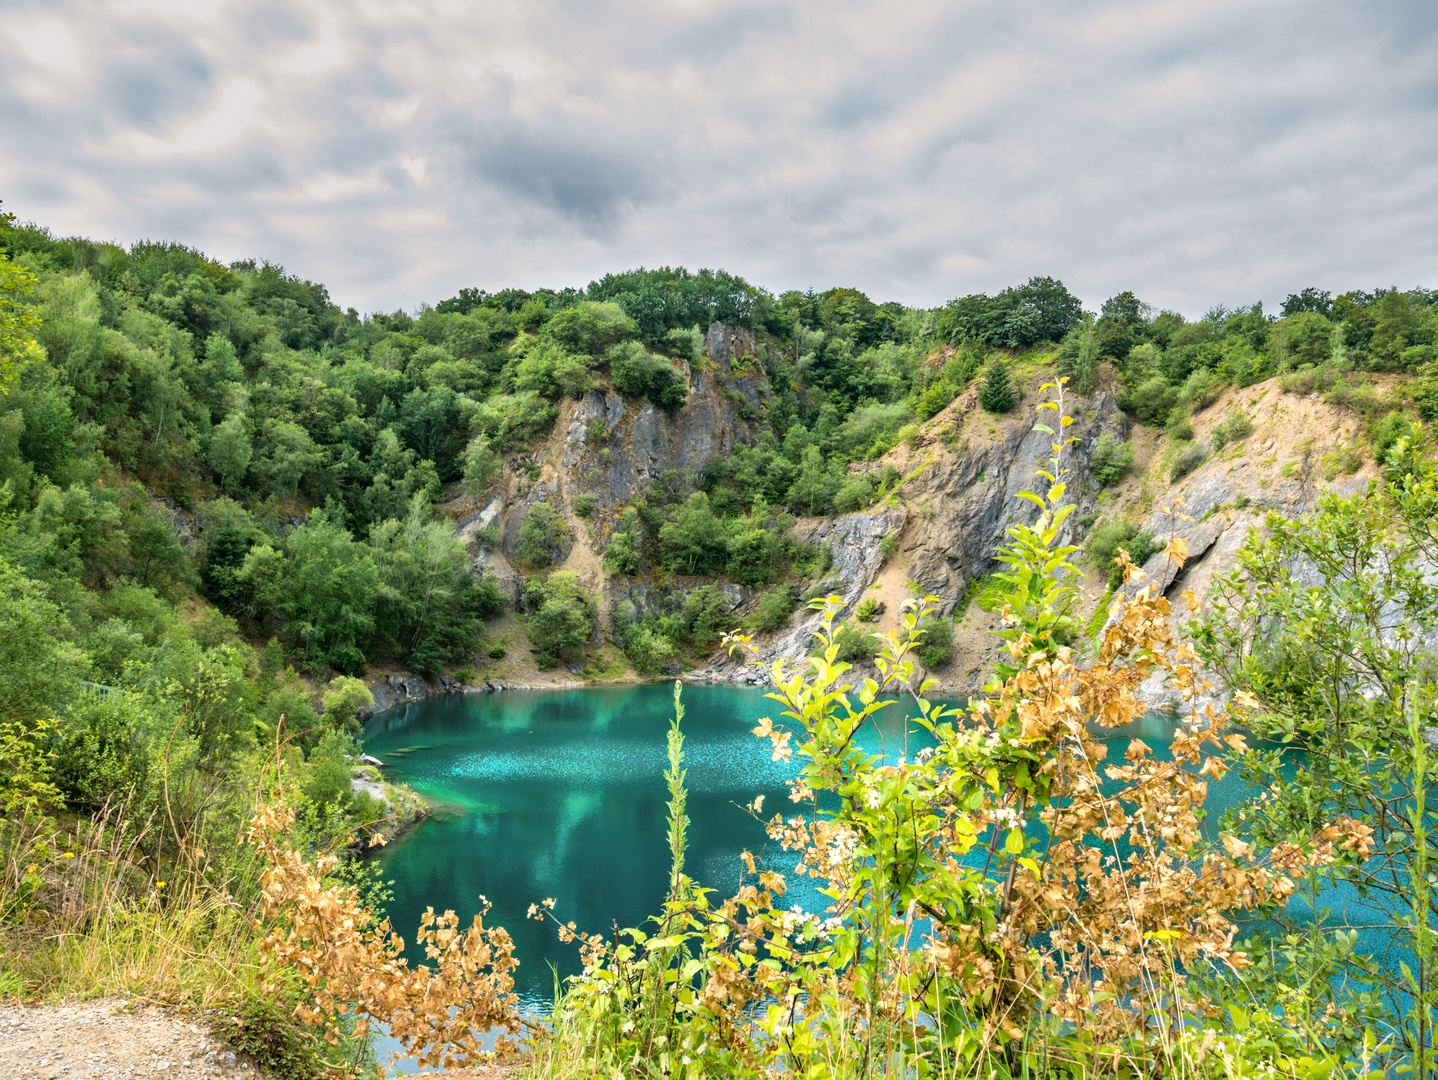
[159, 884]
[69, 854]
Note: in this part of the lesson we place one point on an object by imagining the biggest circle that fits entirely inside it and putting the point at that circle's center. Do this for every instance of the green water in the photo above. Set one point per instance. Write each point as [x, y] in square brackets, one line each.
[561, 794]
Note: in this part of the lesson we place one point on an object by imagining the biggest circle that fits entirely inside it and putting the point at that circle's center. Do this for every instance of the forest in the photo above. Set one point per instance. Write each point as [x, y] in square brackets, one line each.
[224, 501]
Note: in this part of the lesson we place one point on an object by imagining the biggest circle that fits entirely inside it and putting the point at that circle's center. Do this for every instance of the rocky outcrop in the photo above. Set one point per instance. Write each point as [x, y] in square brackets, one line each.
[971, 496]
[392, 690]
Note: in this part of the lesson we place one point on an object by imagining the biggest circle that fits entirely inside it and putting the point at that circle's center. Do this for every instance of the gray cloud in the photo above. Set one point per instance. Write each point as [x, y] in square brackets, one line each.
[1193, 153]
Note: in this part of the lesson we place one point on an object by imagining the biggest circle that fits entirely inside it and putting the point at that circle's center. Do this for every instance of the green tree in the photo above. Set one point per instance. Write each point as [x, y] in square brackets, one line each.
[816, 485]
[563, 620]
[542, 535]
[996, 395]
[695, 540]
[18, 317]
[481, 464]
[1328, 623]
[329, 591]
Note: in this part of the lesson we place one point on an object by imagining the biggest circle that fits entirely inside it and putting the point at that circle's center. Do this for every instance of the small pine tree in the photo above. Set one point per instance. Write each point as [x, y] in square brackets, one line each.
[997, 393]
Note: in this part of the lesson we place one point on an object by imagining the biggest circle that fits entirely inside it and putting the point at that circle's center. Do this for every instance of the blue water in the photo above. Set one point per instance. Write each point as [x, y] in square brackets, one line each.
[560, 794]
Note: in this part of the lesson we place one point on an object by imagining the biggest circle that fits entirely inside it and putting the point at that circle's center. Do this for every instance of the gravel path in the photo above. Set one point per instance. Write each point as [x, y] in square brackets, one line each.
[89, 1040]
[110, 1037]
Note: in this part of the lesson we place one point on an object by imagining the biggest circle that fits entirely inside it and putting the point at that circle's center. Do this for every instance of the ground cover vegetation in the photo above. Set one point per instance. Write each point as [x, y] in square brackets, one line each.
[217, 505]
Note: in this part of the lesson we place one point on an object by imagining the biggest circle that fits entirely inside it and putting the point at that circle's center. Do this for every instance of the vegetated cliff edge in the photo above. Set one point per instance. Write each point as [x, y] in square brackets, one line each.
[962, 474]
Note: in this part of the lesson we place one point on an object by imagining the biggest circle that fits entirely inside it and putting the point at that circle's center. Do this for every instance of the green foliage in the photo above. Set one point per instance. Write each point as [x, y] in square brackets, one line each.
[1151, 401]
[1105, 541]
[343, 700]
[1234, 427]
[1112, 459]
[888, 544]
[996, 395]
[1187, 457]
[1200, 390]
[622, 556]
[936, 647]
[480, 465]
[636, 372]
[542, 536]
[267, 1031]
[867, 610]
[584, 504]
[563, 618]
[774, 608]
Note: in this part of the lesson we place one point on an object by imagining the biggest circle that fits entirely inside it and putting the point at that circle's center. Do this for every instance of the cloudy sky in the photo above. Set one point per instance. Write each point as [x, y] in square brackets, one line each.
[1196, 152]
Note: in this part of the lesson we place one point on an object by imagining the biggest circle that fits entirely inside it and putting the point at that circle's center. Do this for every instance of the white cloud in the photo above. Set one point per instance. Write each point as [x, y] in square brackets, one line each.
[1192, 152]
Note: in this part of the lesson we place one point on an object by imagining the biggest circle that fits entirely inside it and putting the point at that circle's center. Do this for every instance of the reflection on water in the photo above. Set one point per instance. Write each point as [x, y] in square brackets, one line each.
[566, 799]
[561, 794]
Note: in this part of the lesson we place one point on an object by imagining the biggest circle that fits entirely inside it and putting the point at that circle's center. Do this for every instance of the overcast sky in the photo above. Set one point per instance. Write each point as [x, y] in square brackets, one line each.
[1196, 152]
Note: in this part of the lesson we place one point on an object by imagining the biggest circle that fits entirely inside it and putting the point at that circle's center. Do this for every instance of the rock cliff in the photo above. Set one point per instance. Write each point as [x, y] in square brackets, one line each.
[937, 533]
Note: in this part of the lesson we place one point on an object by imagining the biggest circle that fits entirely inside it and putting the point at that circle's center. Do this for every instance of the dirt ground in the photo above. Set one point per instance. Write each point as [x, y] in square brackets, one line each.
[110, 1037]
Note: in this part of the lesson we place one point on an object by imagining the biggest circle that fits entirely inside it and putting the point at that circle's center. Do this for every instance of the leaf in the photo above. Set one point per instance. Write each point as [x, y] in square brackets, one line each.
[1014, 842]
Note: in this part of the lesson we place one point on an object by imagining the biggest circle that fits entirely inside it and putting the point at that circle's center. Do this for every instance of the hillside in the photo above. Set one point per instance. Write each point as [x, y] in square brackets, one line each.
[236, 519]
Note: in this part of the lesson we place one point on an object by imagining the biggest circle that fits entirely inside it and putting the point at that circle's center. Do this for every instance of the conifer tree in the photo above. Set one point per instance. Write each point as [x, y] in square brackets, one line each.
[996, 395]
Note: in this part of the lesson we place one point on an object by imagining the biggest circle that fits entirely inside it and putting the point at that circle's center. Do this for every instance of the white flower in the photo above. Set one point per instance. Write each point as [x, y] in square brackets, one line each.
[872, 798]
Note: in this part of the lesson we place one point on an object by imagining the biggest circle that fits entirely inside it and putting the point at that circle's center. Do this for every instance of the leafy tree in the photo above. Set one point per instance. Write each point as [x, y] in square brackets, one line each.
[563, 620]
[329, 587]
[622, 555]
[694, 541]
[996, 395]
[936, 647]
[481, 464]
[814, 488]
[591, 327]
[426, 603]
[542, 535]
[344, 698]
[18, 317]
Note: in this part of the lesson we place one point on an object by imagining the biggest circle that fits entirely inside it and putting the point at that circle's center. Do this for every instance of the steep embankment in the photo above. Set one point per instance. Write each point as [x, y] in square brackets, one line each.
[935, 535]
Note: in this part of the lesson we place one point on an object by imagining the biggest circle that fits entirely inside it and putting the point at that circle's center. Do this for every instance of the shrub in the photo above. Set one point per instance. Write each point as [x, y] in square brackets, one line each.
[888, 544]
[563, 621]
[1201, 390]
[1106, 540]
[855, 646]
[1235, 426]
[622, 554]
[854, 494]
[936, 647]
[542, 535]
[1150, 401]
[1387, 432]
[636, 372]
[1189, 457]
[584, 505]
[868, 610]
[997, 395]
[1179, 428]
[497, 652]
[1112, 459]
[774, 608]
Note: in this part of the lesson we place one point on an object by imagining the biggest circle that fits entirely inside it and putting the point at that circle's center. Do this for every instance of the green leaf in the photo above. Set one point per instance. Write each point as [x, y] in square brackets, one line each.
[1014, 842]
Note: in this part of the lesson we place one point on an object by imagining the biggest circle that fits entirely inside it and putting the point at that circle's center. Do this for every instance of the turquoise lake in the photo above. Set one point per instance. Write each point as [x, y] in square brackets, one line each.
[561, 794]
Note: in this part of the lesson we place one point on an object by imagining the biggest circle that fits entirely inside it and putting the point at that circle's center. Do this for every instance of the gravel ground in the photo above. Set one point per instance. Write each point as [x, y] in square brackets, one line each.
[89, 1040]
[110, 1037]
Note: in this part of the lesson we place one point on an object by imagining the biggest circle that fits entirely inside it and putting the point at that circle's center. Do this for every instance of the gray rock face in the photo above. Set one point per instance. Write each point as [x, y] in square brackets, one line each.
[392, 690]
[975, 499]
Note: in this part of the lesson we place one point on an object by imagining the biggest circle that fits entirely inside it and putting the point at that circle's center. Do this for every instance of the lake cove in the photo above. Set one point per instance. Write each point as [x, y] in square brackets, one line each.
[561, 794]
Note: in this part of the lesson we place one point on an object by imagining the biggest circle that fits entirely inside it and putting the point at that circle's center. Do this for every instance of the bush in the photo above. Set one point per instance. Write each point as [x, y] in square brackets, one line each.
[1106, 540]
[279, 1044]
[868, 610]
[774, 608]
[1112, 459]
[936, 647]
[1386, 433]
[855, 646]
[563, 621]
[584, 505]
[636, 372]
[622, 554]
[888, 544]
[542, 535]
[497, 652]
[1151, 401]
[997, 395]
[1201, 390]
[1236, 425]
[1189, 457]
[1179, 428]
[854, 494]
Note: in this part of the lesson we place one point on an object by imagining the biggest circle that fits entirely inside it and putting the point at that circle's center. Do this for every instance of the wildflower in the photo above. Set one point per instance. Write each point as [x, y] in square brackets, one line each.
[159, 884]
[872, 798]
[69, 855]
